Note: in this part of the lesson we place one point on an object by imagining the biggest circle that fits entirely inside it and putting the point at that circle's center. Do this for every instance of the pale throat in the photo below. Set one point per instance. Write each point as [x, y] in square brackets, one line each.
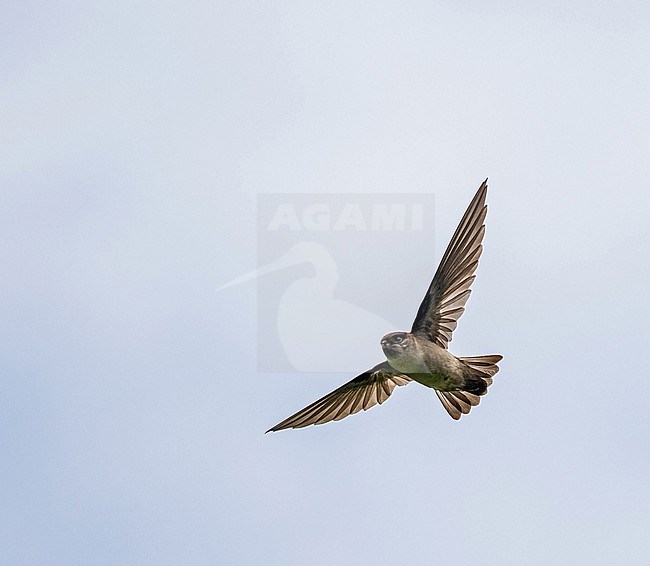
[410, 361]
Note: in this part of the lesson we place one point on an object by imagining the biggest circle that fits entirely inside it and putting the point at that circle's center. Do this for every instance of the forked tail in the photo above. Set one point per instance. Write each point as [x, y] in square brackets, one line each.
[459, 403]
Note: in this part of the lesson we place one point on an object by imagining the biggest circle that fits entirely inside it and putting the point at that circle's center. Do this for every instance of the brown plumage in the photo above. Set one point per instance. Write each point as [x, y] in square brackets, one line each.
[422, 355]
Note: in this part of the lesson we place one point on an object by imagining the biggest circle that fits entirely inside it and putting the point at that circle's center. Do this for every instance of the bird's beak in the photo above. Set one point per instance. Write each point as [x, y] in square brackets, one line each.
[285, 261]
[269, 268]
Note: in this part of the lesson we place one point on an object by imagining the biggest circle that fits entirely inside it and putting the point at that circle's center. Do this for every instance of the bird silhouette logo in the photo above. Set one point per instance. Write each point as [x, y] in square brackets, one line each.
[311, 298]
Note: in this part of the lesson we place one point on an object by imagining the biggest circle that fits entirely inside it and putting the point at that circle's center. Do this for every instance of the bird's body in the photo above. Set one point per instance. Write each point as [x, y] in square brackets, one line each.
[423, 361]
[429, 364]
[421, 355]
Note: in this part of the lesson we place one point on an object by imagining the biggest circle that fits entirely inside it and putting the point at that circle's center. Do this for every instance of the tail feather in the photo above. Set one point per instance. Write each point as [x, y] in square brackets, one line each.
[458, 403]
[485, 364]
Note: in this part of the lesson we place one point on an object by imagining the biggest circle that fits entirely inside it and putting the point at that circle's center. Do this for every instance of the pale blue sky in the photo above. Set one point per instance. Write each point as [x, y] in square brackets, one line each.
[134, 139]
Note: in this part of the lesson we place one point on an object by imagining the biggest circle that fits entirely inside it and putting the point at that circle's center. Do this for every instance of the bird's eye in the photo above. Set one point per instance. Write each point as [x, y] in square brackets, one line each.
[398, 338]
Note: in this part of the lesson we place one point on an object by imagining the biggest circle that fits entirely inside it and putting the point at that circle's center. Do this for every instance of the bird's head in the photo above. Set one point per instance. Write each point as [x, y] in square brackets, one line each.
[396, 343]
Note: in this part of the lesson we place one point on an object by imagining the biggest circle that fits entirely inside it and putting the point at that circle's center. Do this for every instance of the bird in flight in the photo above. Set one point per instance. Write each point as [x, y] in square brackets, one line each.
[421, 355]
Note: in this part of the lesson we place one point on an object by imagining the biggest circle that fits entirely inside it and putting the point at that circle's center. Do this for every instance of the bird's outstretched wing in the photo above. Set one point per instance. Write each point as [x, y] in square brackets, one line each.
[364, 391]
[446, 297]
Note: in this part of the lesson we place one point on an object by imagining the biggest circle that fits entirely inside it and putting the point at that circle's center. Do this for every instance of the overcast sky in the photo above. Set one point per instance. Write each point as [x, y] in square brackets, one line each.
[135, 140]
